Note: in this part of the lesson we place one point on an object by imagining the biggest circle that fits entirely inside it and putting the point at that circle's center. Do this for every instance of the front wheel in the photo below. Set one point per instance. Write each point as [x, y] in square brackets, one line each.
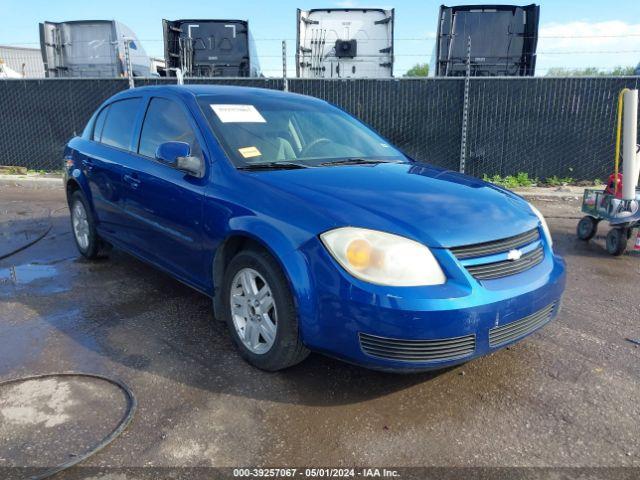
[617, 241]
[83, 226]
[587, 228]
[260, 312]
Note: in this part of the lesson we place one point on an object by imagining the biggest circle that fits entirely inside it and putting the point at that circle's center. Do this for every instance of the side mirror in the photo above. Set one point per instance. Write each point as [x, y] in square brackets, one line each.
[169, 152]
[178, 155]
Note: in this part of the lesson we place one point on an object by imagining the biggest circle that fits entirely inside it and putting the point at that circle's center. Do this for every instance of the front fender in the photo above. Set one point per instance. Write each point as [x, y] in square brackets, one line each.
[284, 247]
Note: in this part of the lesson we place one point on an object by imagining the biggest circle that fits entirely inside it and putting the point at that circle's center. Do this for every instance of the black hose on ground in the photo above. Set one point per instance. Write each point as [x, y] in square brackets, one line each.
[132, 404]
[32, 242]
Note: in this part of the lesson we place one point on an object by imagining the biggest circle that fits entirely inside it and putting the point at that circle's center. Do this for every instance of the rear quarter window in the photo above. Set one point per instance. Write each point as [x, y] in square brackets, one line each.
[120, 122]
[99, 124]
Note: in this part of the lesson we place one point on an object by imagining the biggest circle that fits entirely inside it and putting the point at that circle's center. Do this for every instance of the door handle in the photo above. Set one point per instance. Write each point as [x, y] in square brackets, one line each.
[132, 180]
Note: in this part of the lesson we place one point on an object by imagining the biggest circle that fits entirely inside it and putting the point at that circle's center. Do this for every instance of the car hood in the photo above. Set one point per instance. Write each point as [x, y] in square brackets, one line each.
[439, 208]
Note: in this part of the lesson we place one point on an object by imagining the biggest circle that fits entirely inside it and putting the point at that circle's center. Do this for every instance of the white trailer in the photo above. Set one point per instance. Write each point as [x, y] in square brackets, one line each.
[91, 48]
[345, 43]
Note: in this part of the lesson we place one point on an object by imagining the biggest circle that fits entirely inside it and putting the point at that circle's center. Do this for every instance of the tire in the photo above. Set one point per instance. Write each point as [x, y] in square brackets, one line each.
[285, 347]
[617, 241]
[587, 228]
[89, 243]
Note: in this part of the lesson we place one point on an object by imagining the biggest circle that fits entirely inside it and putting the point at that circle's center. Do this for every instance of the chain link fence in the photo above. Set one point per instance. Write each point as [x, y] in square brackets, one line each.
[562, 127]
[546, 127]
[420, 116]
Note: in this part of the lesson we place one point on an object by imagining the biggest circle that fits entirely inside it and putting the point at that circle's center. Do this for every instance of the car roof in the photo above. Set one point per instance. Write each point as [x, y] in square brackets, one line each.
[240, 93]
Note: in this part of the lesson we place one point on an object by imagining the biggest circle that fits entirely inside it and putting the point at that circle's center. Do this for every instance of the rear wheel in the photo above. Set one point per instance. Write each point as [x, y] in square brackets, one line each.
[83, 226]
[587, 228]
[260, 312]
[617, 241]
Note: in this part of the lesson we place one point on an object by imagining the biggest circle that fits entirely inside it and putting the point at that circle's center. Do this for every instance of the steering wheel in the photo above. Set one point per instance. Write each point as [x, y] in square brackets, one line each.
[305, 151]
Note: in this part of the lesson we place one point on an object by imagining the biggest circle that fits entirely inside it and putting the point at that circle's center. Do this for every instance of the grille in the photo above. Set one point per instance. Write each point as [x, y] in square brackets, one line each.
[490, 271]
[511, 331]
[497, 246]
[417, 350]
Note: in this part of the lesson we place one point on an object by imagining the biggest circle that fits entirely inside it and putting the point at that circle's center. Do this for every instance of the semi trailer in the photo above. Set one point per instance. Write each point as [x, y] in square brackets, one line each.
[344, 43]
[91, 48]
[210, 48]
[494, 40]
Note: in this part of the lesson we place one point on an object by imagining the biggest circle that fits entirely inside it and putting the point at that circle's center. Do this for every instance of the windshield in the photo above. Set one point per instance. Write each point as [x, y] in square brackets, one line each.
[263, 131]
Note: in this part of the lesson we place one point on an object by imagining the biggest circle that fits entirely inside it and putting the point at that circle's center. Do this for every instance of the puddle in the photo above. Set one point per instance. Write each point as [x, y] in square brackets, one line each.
[32, 277]
[25, 274]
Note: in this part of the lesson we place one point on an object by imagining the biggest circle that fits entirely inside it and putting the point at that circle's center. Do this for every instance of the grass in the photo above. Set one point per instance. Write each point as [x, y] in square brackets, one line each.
[522, 179]
[14, 170]
[512, 181]
[555, 181]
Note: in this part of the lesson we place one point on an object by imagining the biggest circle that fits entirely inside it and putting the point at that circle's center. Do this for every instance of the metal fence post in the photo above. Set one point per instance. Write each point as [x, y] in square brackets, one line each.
[465, 110]
[285, 84]
[127, 61]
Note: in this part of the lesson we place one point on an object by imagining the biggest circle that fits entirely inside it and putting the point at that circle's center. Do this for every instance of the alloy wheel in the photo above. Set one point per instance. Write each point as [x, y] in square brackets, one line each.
[80, 225]
[253, 311]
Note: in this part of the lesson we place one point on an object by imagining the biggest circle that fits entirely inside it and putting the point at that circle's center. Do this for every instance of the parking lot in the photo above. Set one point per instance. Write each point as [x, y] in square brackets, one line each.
[566, 396]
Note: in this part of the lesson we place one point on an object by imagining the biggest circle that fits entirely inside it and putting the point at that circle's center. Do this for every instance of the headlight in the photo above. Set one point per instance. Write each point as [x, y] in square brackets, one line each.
[543, 222]
[383, 258]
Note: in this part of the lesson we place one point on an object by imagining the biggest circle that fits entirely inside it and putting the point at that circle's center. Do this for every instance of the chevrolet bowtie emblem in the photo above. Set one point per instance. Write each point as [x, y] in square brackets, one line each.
[514, 255]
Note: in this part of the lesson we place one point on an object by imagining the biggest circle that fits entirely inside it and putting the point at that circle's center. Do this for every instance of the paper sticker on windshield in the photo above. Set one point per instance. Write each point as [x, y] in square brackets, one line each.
[249, 152]
[237, 113]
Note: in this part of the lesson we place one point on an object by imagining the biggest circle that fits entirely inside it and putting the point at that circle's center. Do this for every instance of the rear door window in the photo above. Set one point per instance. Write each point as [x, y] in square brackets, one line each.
[165, 121]
[120, 122]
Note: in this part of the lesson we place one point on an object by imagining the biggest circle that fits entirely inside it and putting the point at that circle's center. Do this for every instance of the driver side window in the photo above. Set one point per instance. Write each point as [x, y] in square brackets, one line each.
[165, 121]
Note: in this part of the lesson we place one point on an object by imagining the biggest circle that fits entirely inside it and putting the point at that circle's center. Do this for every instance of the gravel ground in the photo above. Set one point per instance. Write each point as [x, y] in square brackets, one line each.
[566, 396]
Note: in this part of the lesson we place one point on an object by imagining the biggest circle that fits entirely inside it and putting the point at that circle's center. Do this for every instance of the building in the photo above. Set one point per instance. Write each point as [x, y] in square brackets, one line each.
[21, 62]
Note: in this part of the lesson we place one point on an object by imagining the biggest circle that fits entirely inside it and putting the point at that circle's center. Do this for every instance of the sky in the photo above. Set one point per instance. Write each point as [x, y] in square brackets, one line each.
[573, 33]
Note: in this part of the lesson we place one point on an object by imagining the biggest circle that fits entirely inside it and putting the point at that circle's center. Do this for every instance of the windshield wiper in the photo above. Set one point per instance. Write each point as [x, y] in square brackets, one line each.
[273, 166]
[355, 161]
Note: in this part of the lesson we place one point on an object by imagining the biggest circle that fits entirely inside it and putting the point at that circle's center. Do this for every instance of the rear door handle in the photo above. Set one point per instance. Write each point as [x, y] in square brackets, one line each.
[132, 180]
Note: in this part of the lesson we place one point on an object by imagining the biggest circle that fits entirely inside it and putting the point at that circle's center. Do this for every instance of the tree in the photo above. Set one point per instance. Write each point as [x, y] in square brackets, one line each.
[418, 70]
[621, 71]
[590, 72]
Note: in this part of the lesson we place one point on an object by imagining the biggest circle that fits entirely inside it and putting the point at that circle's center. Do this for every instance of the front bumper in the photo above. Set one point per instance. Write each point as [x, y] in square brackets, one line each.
[383, 328]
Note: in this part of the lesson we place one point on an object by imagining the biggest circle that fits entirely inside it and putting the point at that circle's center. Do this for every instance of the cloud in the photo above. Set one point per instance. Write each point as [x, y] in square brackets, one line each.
[347, 4]
[356, 4]
[618, 41]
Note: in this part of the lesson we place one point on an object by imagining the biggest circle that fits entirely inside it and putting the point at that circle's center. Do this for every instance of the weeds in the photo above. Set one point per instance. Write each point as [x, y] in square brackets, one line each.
[555, 181]
[522, 179]
[512, 181]
[14, 170]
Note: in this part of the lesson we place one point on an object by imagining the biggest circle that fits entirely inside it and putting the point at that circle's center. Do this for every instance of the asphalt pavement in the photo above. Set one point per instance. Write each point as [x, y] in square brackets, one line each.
[566, 396]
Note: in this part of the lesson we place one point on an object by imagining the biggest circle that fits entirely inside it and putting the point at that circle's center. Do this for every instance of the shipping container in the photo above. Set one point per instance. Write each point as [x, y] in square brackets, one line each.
[210, 48]
[499, 40]
[91, 48]
[344, 43]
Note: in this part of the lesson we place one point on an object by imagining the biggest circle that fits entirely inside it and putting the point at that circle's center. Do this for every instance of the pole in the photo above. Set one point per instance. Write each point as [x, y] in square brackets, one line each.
[285, 85]
[179, 76]
[465, 110]
[127, 61]
[629, 140]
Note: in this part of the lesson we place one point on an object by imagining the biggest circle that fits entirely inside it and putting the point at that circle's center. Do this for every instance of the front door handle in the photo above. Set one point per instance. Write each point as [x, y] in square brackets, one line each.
[132, 180]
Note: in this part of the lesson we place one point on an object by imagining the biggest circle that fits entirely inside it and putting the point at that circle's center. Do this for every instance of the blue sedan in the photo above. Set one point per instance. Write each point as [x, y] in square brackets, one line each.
[308, 230]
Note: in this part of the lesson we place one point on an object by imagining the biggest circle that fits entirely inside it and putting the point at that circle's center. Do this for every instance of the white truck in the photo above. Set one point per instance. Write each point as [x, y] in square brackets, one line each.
[91, 48]
[345, 43]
